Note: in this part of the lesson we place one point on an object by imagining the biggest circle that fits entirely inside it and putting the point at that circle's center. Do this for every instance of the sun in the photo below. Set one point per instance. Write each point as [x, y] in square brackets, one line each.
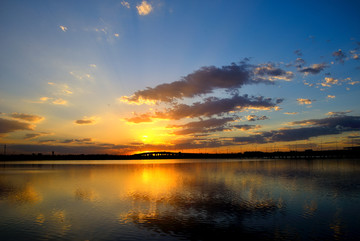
[146, 139]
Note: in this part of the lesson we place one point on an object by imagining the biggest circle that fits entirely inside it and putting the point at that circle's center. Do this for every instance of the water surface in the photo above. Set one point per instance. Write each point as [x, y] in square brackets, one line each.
[180, 200]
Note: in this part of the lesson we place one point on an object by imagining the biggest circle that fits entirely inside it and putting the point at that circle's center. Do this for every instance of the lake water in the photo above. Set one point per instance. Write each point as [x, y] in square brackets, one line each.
[180, 200]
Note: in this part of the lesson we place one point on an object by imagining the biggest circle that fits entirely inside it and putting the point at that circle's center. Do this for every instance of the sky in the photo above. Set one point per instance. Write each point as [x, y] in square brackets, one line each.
[122, 77]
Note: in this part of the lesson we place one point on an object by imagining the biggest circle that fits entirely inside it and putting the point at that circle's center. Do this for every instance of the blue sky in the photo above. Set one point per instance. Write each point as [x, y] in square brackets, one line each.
[113, 76]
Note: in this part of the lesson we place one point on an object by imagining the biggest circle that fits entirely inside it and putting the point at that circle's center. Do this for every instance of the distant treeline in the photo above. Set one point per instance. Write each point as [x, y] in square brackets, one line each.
[353, 152]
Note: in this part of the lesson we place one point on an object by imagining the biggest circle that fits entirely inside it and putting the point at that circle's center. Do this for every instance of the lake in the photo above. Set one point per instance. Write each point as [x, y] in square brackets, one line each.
[180, 200]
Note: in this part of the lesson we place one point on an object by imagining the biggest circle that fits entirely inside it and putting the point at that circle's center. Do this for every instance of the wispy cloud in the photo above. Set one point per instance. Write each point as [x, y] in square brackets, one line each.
[61, 89]
[144, 8]
[298, 52]
[291, 113]
[27, 117]
[338, 113]
[125, 4]
[87, 121]
[246, 127]
[63, 28]
[81, 75]
[30, 136]
[340, 56]
[51, 100]
[78, 141]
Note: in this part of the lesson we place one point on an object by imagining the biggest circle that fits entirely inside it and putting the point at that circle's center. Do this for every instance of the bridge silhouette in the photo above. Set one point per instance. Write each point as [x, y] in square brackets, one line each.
[352, 152]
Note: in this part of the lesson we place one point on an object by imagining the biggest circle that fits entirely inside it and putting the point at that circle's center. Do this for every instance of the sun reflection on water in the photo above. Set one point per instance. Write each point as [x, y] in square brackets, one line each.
[199, 200]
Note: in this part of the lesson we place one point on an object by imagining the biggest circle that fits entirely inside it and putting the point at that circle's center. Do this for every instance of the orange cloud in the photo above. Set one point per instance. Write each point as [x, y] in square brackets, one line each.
[27, 117]
[144, 8]
[302, 101]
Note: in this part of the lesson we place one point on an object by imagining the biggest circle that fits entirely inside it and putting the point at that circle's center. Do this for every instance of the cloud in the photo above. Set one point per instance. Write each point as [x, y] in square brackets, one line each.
[302, 101]
[63, 28]
[354, 82]
[298, 52]
[30, 136]
[202, 126]
[331, 96]
[7, 126]
[314, 69]
[313, 128]
[82, 75]
[340, 56]
[328, 82]
[202, 81]
[62, 89]
[269, 72]
[246, 127]
[144, 8]
[59, 101]
[78, 141]
[51, 100]
[299, 62]
[255, 117]
[291, 113]
[338, 113]
[125, 4]
[27, 117]
[87, 121]
[211, 106]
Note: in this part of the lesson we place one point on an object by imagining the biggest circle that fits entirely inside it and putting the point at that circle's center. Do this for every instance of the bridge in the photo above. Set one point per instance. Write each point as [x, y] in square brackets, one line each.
[162, 154]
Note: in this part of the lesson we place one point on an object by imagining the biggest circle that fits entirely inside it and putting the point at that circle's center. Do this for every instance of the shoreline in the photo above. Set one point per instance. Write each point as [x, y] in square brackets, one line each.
[307, 154]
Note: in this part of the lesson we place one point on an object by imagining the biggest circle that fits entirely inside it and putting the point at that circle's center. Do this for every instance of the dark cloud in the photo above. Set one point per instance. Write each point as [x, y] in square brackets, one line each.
[299, 62]
[313, 69]
[255, 117]
[27, 117]
[338, 113]
[85, 122]
[211, 106]
[313, 128]
[203, 126]
[7, 126]
[78, 141]
[270, 72]
[31, 136]
[203, 81]
[340, 56]
[298, 52]
[338, 122]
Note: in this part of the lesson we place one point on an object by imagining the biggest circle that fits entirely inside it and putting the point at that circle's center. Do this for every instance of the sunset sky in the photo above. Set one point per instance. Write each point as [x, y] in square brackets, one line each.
[121, 77]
